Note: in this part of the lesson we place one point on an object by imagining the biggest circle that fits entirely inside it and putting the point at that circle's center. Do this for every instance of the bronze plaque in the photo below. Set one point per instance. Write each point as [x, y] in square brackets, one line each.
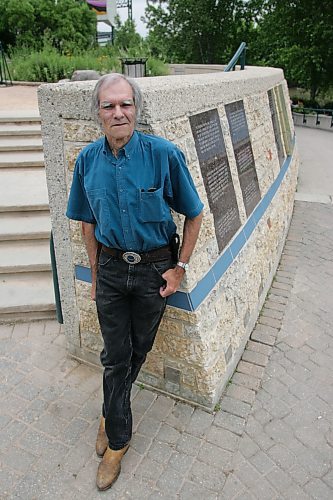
[284, 118]
[276, 126]
[243, 154]
[215, 169]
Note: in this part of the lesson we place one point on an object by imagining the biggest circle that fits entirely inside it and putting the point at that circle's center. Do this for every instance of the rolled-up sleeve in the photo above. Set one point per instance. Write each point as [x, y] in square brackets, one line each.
[184, 198]
[78, 207]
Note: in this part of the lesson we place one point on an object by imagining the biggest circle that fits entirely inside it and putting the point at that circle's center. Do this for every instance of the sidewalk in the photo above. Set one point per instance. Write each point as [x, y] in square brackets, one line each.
[272, 438]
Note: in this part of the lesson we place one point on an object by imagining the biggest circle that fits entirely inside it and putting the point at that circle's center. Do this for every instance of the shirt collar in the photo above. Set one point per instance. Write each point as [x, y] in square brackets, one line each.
[128, 148]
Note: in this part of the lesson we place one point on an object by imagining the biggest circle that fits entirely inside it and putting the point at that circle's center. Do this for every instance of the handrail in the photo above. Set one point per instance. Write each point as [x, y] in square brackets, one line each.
[239, 54]
[314, 111]
[5, 78]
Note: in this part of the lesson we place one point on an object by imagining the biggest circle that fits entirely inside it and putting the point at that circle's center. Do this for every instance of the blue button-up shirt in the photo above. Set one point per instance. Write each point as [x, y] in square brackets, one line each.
[129, 198]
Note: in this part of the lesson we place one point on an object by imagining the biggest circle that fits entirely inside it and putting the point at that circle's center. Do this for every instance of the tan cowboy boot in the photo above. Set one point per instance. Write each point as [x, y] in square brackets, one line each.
[109, 468]
[102, 439]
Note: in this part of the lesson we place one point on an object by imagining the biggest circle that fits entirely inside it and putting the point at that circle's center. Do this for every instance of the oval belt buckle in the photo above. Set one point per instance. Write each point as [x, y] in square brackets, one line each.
[131, 257]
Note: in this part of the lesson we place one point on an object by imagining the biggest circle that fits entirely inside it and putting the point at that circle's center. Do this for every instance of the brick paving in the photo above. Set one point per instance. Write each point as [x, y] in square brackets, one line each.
[272, 437]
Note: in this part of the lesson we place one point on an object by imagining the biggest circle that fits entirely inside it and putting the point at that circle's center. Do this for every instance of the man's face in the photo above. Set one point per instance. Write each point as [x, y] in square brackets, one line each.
[117, 111]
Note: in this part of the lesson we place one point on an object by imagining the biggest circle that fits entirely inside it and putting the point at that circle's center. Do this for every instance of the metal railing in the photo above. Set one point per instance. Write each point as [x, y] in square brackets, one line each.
[5, 78]
[318, 113]
[239, 55]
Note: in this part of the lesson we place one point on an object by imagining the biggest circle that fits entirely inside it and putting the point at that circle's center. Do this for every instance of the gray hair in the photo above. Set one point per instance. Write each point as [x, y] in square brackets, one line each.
[109, 79]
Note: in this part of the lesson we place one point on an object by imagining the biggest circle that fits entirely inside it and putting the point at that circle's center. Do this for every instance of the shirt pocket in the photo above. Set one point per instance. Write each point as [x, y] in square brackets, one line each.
[101, 210]
[152, 206]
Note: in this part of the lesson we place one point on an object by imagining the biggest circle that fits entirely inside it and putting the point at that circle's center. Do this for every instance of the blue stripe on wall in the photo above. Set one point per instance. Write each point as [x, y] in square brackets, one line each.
[190, 301]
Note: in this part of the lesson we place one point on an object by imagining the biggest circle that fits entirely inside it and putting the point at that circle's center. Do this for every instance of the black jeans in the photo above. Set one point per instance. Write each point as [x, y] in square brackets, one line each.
[129, 309]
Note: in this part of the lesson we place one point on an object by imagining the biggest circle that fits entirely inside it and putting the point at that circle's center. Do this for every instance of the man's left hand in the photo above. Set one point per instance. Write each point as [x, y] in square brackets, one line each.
[173, 278]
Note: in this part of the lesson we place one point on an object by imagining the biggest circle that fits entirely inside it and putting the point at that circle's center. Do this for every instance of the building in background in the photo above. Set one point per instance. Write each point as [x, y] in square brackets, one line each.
[106, 11]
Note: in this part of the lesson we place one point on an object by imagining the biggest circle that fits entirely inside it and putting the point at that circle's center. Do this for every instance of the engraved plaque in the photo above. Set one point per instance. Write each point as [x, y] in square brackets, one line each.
[285, 124]
[276, 126]
[214, 164]
[243, 154]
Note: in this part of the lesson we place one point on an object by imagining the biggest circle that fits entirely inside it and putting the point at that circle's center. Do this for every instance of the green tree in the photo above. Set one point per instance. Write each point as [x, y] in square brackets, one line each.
[126, 37]
[195, 31]
[66, 24]
[297, 36]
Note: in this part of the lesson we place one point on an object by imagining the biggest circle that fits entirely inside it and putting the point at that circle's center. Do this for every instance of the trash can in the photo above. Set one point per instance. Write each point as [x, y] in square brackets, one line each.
[134, 68]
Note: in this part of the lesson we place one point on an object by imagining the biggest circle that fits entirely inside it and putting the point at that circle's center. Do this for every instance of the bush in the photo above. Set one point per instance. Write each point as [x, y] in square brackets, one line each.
[48, 65]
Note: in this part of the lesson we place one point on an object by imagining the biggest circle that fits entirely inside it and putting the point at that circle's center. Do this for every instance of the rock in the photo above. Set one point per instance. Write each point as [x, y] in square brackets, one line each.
[85, 74]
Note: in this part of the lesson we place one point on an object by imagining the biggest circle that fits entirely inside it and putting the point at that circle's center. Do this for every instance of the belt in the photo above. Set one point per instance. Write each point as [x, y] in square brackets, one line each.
[144, 258]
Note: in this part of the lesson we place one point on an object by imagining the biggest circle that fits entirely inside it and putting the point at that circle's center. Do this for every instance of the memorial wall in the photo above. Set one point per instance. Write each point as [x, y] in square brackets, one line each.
[237, 134]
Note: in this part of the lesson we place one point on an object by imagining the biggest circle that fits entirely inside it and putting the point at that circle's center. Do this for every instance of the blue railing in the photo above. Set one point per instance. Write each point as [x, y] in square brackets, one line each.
[238, 56]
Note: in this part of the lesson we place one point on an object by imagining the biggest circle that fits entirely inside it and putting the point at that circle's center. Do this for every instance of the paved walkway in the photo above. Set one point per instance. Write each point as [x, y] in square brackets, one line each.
[271, 439]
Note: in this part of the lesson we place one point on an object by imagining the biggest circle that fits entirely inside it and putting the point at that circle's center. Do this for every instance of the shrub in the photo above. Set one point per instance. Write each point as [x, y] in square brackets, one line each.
[48, 65]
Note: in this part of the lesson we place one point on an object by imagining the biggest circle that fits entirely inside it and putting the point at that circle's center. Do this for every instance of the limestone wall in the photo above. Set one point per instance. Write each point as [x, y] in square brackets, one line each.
[207, 322]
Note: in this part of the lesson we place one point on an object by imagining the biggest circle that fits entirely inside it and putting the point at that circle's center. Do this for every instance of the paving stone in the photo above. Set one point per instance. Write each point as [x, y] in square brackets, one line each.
[262, 462]
[300, 475]
[279, 479]
[230, 422]
[235, 406]
[188, 445]
[30, 487]
[214, 455]
[161, 408]
[241, 393]
[318, 490]
[263, 337]
[232, 487]
[18, 459]
[135, 489]
[143, 400]
[51, 457]
[160, 452]
[250, 369]
[295, 492]
[255, 357]
[207, 476]
[181, 461]
[191, 491]
[272, 322]
[246, 381]
[275, 305]
[223, 438]
[180, 416]
[258, 347]
[148, 427]
[247, 446]
[64, 410]
[148, 470]
[199, 422]
[170, 480]
[168, 434]
[72, 433]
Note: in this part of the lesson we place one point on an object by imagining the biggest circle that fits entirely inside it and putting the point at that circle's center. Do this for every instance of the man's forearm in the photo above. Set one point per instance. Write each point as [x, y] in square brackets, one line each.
[190, 236]
[88, 234]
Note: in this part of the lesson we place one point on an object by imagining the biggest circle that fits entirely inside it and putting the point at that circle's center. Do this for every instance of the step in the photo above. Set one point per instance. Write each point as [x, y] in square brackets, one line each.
[25, 225]
[21, 144]
[24, 256]
[23, 189]
[20, 129]
[26, 292]
[28, 115]
[26, 317]
[21, 159]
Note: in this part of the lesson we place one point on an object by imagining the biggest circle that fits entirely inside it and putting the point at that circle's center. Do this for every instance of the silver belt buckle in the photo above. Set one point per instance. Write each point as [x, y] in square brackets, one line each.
[131, 257]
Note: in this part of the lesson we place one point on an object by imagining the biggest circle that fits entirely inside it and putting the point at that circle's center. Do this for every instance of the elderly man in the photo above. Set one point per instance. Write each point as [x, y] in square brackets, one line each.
[123, 188]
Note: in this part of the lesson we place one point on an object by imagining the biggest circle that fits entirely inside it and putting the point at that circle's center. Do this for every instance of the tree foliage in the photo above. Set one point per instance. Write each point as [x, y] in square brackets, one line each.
[195, 31]
[297, 36]
[65, 24]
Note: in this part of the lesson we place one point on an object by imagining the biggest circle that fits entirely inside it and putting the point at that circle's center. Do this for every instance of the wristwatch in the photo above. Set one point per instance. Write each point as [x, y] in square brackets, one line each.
[183, 265]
